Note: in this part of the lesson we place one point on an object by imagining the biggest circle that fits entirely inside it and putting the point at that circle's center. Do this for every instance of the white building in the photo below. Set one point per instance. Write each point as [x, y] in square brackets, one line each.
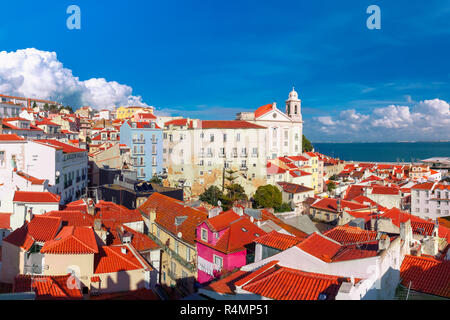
[198, 152]
[284, 130]
[430, 200]
[63, 166]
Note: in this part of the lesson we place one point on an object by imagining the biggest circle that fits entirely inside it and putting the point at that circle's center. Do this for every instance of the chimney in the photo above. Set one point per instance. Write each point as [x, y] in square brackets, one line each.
[97, 224]
[124, 250]
[274, 105]
[238, 210]
[430, 246]
[383, 242]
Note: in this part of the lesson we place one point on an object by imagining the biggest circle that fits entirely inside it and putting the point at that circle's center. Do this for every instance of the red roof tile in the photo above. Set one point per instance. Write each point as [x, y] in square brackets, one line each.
[72, 240]
[274, 169]
[10, 137]
[27, 177]
[320, 247]
[40, 228]
[5, 220]
[168, 209]
[238, 234]
[293, 188]
[47, 287]
[263, 110]
[111, 259]
[74, 218]
[36, 197]
[427, 275]
[66, 148]
[282, 283]
[329, 204]
[349, 234]
[226, 285]
[278, 240]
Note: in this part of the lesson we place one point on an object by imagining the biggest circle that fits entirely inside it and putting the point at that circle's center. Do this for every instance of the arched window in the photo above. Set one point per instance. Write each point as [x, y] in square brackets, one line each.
[295, 110]
[289, 109]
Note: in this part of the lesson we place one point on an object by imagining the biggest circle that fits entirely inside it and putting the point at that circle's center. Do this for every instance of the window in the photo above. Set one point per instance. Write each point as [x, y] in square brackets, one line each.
[218, 261]
[238, 137]
[177, 246]
[204, 235]
[2, 158]
[211, 138]
[224, 137]
[188, 254]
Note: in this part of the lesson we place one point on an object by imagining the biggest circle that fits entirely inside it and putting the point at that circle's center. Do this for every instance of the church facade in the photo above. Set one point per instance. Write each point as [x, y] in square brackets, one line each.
[284, 129]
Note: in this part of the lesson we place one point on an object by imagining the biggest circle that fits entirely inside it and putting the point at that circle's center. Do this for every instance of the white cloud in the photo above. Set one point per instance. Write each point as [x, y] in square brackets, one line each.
[426, 120]
[39, 74]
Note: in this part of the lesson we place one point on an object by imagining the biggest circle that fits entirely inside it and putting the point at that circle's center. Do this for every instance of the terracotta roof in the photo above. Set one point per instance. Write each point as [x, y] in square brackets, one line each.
[320, 247]
[423, 186]
[10, 137]
[263, 110]
[238, 233]
[139, 241]
[228, 124]
[274, 169]
[66, 148]
[40, 228]
[36, 197]
[222, 220]
[427, 275]
[27, 177]
[73, 218]
[385, 190]
[329, 204]
[5, 220]
[353, 191]
[47, 122]
[112, 214]
[72, 240]
[167, 209]
[47, 287]
[282, 283]
[349, 234]
[176, 122]
[111, 259]
[278, 240]
[299, 173]
[226, 285]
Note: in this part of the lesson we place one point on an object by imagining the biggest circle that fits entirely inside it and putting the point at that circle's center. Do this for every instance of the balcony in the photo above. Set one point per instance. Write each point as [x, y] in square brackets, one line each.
[138, 153]
[243, 168]
[254, 155]
[188, 265]
[139, 140]
[234, 155]
[209, 155]
[244, 155]
[222, 155]
[141, 175]
[201, 155]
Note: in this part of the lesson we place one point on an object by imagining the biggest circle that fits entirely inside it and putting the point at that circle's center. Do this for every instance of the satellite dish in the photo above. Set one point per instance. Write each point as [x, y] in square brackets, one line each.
[57, 173]
[219, 203]
[179, 234]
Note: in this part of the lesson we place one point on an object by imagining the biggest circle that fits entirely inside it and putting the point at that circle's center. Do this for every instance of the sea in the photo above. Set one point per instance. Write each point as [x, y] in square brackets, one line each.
[384, 151]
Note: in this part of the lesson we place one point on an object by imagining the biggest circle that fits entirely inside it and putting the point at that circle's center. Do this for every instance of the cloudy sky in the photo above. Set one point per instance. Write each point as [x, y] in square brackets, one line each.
[212, 59]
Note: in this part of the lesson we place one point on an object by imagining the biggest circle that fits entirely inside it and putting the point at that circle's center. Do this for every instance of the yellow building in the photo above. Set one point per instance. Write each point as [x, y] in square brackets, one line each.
[172, 225]
[129, 112]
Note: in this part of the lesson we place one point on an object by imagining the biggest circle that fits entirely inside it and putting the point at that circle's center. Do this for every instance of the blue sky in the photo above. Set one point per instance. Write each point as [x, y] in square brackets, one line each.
[212, 59]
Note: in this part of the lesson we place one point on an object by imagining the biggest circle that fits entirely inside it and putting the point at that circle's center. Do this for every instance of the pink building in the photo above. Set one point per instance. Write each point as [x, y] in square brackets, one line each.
[225, 242]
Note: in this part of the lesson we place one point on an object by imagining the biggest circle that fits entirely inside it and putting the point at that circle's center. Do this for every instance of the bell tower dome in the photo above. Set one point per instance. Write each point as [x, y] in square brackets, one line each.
[293, 106]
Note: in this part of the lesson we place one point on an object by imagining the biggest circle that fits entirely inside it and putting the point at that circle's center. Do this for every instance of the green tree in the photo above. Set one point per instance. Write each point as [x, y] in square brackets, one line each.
[285, 207]
[34, 105]
[331, 186]
[267, 196]
[306, 145]
[212, 195]
[236, 192]
[156, 179]
[333, 177]
[46, 107]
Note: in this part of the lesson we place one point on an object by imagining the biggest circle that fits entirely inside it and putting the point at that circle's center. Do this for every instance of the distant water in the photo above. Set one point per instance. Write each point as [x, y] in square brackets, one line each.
[384, 151]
